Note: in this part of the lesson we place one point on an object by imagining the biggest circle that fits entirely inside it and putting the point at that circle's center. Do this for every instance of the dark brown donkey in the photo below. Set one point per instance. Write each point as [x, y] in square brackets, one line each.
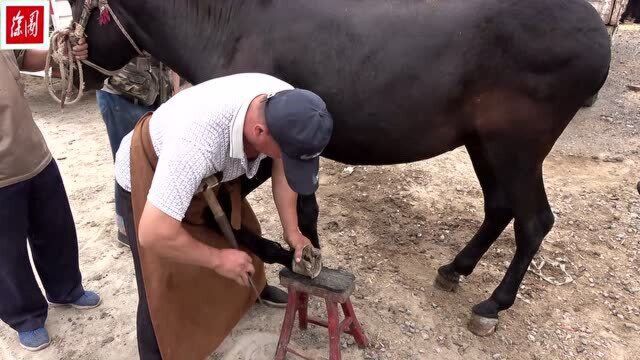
[405, 80]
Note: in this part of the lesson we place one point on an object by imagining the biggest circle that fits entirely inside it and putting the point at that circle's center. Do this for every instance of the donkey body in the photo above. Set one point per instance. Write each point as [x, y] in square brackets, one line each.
[405, 80]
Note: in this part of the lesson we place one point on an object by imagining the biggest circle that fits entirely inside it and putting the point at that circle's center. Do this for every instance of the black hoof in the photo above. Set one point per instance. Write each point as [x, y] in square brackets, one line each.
[447, 279]
[482, 326]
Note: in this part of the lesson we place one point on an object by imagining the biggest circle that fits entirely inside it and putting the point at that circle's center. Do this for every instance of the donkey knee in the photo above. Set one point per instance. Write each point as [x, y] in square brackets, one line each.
[531, 233]
[546, 220]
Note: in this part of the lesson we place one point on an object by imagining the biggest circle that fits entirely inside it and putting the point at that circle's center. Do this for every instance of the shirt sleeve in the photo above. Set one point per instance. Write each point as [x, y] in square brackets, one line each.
[183, 164]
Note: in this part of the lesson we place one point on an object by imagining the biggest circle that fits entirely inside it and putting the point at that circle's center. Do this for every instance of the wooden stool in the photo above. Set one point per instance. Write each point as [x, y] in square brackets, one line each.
[335, 287]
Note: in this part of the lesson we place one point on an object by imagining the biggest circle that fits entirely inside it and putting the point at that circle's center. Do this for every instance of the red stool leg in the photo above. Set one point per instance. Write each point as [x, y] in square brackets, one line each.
[302, 310]
[356, 328]
[287, 324]
[334, 332]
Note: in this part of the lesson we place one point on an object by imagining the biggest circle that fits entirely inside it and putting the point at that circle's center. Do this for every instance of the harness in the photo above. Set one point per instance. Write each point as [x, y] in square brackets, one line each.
[63, 40]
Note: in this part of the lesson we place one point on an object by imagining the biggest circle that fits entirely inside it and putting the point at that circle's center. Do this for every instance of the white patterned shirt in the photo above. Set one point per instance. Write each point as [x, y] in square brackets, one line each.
[196, 134]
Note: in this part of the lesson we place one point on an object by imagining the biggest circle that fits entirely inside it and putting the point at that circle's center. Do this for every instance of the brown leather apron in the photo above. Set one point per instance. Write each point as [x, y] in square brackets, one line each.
[192, 308]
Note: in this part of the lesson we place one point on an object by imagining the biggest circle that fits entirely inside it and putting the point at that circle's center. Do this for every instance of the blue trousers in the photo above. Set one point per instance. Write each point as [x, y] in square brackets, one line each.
[120, 117]
[37, 209]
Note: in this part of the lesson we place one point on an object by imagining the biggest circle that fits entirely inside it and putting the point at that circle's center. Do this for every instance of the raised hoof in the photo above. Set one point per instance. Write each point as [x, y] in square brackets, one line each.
[446, 284]
[310, 264]
[482, 326]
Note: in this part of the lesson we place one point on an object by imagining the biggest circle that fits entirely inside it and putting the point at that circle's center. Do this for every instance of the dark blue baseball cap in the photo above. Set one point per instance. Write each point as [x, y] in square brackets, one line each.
[299, 122]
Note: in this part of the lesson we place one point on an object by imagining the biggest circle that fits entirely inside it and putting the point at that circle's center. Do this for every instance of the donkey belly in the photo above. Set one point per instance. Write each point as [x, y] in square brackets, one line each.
[354, 144]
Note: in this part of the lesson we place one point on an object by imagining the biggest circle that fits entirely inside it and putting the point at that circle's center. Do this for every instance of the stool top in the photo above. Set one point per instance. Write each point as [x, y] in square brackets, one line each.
[330, 283]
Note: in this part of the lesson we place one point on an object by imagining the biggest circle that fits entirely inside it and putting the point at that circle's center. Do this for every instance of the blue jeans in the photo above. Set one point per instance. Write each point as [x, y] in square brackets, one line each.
[120, 116]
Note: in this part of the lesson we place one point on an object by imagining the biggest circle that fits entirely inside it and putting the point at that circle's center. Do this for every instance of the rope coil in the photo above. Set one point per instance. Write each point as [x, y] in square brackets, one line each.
[60, 52]
[61, 44]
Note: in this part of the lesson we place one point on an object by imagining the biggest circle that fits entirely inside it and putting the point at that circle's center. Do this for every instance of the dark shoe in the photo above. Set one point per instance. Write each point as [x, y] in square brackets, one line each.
[274, 297]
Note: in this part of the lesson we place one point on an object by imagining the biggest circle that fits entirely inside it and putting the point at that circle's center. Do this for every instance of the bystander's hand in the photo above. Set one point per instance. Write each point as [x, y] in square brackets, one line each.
[81, 50]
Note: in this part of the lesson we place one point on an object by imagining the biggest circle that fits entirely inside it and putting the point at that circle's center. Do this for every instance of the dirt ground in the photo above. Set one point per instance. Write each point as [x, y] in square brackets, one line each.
[393, 226]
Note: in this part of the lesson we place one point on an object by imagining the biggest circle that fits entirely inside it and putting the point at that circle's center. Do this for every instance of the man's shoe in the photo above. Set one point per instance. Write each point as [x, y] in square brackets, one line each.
[34, 340]
[88, 300]
[274, 297]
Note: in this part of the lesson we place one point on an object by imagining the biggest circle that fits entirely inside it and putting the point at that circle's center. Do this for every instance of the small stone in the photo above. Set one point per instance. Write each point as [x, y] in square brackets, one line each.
[633, 326]
[633, 87]
[496, 356]
[107, 340]
[348, 170]
[531, 338]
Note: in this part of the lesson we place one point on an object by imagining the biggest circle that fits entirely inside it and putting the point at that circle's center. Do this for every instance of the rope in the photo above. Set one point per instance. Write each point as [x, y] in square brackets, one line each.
[122, 29]
[60, 47]
[60, 52]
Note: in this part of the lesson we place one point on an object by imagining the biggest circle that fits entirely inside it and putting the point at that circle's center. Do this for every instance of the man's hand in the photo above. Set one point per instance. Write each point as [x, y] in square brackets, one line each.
[81, 50]
[297, 242]
[235, 265]
[165, 235]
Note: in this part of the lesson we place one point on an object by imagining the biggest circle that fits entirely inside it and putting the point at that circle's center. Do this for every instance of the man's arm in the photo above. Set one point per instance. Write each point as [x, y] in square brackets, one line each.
[35, 60]
[165, 236]
[286, 202]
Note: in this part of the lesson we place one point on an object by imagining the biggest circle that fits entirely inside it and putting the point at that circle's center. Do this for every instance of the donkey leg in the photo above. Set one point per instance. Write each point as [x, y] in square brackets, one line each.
[533, 220]
[497, 216]
[268, 251]
[308, 211]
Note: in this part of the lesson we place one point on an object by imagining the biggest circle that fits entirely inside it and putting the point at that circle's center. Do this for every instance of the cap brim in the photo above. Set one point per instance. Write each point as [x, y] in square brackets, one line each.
[302, 175]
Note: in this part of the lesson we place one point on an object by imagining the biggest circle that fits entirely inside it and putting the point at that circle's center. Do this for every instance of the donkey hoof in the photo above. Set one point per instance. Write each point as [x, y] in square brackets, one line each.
[447, 279]
[482, 326]
[446, 284]
[310, 264]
